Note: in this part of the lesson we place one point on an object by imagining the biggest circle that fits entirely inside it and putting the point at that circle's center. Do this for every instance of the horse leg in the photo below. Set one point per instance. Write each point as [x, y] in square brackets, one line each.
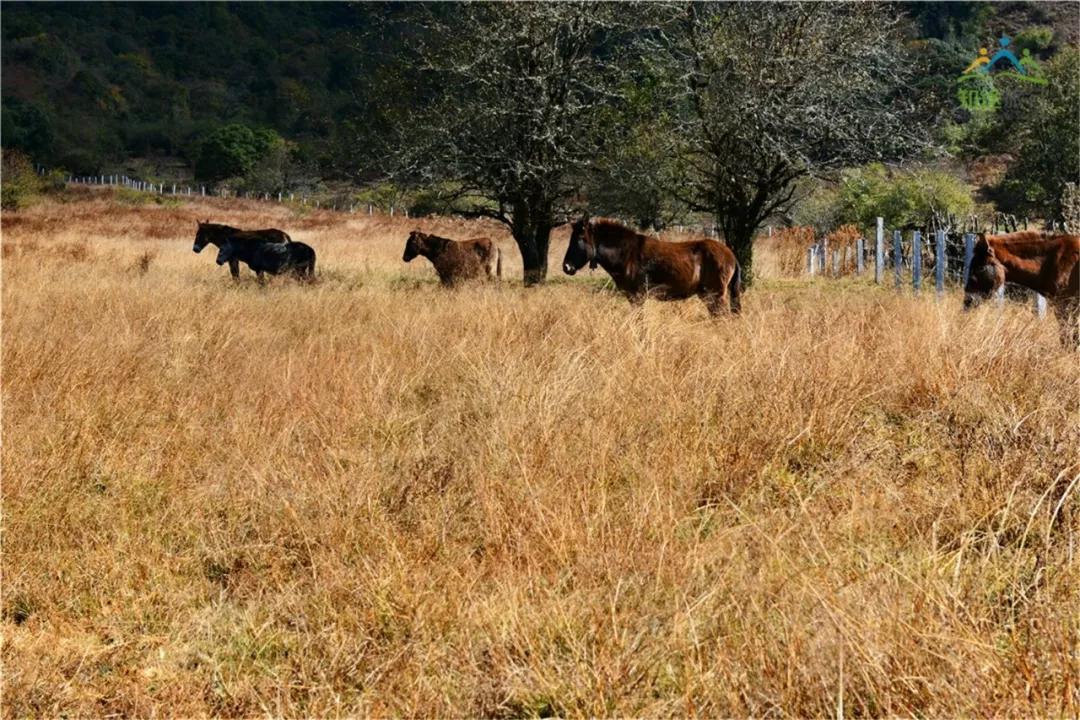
[234, 269]
[715, 302]
[259, 275]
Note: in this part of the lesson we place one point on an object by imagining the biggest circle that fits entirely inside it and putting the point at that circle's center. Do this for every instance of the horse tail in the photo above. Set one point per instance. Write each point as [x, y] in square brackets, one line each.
[735, 289]
[287, 238]
[498, 263]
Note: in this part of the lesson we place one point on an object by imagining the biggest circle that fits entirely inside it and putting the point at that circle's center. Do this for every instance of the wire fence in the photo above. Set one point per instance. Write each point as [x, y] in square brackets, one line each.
[939, 259]
[339, 204]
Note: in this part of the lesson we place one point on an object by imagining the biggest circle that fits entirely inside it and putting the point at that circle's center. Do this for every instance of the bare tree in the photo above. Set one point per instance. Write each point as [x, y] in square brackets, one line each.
[770, 93]
[513, 123]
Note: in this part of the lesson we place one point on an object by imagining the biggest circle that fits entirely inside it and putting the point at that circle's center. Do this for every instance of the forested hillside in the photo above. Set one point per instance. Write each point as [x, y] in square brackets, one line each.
[88, 85]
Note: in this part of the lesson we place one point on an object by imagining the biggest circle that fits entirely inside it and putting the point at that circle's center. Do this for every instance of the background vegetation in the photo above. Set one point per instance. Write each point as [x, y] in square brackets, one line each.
[727, 115]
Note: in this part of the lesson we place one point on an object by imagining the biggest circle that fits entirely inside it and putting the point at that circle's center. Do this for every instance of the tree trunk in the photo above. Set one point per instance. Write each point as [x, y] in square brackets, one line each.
[741, 242]
[532, 232]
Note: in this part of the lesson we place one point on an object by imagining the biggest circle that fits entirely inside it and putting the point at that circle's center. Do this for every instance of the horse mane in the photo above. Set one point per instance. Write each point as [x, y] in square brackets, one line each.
[610, 228]
[217, 228]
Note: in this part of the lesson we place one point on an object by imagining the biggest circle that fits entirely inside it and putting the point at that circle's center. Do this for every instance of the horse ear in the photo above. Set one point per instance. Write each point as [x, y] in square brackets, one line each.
[983, 245]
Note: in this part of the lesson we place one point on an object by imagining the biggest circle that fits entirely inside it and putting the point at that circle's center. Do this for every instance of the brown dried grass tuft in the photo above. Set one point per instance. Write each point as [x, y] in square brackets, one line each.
[370, 496]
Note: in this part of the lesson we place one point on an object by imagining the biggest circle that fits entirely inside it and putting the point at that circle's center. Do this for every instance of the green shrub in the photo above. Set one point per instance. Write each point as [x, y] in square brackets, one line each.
[1049, 145]
[1034, 39]
[233, 151]
[902, 198]
[20, 183]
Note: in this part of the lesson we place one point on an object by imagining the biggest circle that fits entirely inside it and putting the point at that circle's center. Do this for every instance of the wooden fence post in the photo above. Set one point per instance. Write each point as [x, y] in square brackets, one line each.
[860, 250]
[810, 261]
[836, 262]
[939, 264]
[898, 255]
[916, 261]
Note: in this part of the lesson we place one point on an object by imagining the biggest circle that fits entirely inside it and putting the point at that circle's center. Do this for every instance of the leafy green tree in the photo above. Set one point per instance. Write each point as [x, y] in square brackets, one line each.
[515, 119]
[20, 182]
[233, 150]
[633, 174]
[770, 94]
[1048, 156]
[904, 198]
[27, 127]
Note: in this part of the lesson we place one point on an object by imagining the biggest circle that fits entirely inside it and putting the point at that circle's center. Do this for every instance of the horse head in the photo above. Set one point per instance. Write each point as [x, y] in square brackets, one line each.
[203, 236]
[986, 274]
[415, 245]
[582, 247]
[225, 253]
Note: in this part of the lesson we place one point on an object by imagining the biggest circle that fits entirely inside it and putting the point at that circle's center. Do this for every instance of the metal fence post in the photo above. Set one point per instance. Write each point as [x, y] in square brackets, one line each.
[916, 261]
[939, 263]
[898, 255]
[969, 252]
[1040, 306]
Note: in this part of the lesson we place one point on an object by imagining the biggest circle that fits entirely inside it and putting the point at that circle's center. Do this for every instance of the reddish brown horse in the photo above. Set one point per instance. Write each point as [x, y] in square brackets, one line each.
[456, 260]
[1047, 263]
[642, 266]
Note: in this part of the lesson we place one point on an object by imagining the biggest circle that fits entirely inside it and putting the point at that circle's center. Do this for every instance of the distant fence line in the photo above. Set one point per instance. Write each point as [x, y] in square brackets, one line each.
[178, 190]
[907, 260]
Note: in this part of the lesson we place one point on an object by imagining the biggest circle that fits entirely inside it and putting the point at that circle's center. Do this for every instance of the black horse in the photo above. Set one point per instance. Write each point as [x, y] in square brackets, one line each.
[215, 234]
[296, 258]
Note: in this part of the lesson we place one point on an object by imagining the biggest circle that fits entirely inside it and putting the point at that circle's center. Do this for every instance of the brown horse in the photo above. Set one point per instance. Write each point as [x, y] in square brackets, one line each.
[1044, 262]
[456, 260]
[645, 267]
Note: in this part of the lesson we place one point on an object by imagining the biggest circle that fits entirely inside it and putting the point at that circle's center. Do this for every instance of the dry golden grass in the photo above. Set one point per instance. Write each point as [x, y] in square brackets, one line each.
[373, 497]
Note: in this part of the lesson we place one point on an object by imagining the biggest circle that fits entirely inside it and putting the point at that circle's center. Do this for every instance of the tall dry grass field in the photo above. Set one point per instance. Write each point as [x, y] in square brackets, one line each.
[369, 496]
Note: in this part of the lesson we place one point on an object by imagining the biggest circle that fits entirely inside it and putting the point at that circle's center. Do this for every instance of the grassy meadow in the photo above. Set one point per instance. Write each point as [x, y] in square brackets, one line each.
[370, 496]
